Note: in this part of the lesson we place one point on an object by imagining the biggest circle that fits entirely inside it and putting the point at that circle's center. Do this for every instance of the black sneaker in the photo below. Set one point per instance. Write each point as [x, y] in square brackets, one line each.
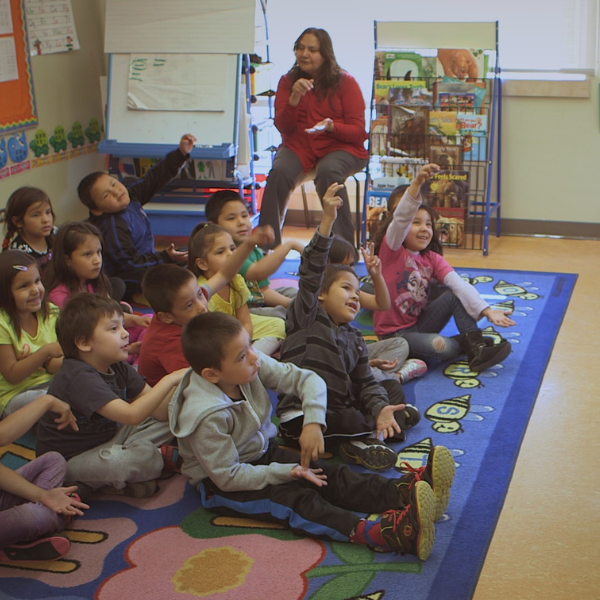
[46, 548]
[371, 453]
[438, 473]
[411, 530]
[481, 351]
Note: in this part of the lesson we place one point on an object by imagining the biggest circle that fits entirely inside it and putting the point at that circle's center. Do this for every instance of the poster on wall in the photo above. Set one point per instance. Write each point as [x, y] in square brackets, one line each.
[51, 26]
[17, 100]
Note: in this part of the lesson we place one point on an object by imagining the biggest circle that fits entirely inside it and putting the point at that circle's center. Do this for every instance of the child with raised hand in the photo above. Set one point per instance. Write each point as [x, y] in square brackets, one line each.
[228, 209]
[29, 224]
[29, 351]
[121, 419]
[388, 358]
[33, 505]
[175, 296]
[320, 337]
[221, 417]
[209, 247]
[411, 258]
[77, 266]
[118, 213]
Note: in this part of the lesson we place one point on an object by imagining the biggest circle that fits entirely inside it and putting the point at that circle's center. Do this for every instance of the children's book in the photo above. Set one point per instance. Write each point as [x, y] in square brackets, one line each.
[376, 209]
[379, 135]
[448, 157]
[408, 127]
[397, 91]
[447, 191]
[459, 95]
[474, 136]
[463, 64]
[402, 64]
[443, 127]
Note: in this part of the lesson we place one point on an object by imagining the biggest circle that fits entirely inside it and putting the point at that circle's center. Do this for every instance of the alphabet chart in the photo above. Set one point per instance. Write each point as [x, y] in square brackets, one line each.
[51, 26]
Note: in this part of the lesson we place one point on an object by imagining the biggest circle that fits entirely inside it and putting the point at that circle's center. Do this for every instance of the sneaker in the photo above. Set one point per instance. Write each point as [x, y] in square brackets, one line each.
[138, 489]
[371, 453]
[438, 473]
[411, 369]
[408, 417]
[46, 548]
[481, 351]
[411, 530]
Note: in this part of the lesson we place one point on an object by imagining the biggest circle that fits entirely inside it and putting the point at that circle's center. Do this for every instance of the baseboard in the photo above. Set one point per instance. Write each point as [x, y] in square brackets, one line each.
[507, 226]
[547, 228]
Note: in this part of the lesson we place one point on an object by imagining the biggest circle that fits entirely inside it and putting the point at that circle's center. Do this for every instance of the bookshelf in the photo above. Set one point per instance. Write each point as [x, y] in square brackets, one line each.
[436, 98]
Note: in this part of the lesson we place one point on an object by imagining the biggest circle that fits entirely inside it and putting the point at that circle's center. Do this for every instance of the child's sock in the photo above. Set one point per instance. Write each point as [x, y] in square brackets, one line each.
[369, 534]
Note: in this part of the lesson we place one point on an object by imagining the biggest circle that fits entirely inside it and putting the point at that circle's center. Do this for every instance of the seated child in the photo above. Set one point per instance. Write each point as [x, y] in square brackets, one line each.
[228, 209]
[388, 358]
[76, 266]
[33, 505]
[116, 449]
[29, 351]
[29, 224]
[175, 297]
[320, 337]
[209, 247]
[221, 417]
[117, 212]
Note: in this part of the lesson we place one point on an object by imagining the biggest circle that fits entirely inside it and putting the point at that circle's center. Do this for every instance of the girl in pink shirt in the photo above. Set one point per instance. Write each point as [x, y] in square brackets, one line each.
[411, 259]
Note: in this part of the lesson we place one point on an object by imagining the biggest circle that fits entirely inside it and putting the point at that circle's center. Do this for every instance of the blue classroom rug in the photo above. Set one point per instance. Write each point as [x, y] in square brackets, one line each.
[167, 547]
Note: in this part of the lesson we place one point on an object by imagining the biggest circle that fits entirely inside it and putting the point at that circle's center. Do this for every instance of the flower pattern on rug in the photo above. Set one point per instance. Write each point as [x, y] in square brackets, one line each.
[233, 567]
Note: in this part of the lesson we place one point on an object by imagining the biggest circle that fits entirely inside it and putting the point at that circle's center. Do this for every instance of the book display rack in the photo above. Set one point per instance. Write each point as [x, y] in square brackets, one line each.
[436, 99]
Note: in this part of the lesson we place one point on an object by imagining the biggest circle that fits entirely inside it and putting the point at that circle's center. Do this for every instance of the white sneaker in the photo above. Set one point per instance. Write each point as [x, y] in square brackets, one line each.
[411, 369]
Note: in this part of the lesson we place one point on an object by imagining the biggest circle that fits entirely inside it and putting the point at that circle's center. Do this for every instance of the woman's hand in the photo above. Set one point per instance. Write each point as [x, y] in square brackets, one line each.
[324, 126]
[299, 89]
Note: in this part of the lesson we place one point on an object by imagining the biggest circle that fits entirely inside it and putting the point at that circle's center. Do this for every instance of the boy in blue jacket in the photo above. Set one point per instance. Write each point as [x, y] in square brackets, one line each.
[117, 212]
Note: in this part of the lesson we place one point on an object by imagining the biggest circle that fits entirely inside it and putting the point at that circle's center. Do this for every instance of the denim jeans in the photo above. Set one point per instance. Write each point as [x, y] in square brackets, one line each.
[423, 338]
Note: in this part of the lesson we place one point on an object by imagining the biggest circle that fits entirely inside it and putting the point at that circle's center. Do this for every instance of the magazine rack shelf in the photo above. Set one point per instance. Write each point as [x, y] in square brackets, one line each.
[436, 98]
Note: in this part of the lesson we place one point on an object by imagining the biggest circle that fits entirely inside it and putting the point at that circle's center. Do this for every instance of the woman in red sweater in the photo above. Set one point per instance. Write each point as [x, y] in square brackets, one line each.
[320, 113]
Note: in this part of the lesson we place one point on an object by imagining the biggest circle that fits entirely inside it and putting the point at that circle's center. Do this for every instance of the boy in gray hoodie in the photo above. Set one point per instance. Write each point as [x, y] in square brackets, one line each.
[221, 416]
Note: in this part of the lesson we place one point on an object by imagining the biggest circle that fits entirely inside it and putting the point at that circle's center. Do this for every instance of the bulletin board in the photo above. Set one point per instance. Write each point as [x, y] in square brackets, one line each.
[17, 99]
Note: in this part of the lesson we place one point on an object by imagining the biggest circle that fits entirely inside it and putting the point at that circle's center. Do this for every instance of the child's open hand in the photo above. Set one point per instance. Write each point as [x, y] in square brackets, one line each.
[311, 444]
[498, 317]
[262, 236]
[176, 255]
[386, 425]
[384, 365]
[60, 501]
[187, 143]
[372, 261]
[313, 475]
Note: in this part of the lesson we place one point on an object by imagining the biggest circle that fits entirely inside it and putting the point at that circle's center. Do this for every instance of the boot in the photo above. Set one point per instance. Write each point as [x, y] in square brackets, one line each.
[481, 351]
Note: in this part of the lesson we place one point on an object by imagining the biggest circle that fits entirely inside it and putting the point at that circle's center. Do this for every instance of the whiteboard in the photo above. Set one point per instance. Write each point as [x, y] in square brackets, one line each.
[390, 34]
[212, 128]
[180, 26]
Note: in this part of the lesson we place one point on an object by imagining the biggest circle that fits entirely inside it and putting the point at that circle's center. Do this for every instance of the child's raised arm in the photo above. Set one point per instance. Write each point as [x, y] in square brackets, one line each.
[262, 235]
[15, 370]
[331, 203]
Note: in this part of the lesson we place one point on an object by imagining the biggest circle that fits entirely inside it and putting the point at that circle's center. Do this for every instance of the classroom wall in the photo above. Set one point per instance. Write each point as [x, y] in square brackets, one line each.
[550, 145]
[67, 89]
